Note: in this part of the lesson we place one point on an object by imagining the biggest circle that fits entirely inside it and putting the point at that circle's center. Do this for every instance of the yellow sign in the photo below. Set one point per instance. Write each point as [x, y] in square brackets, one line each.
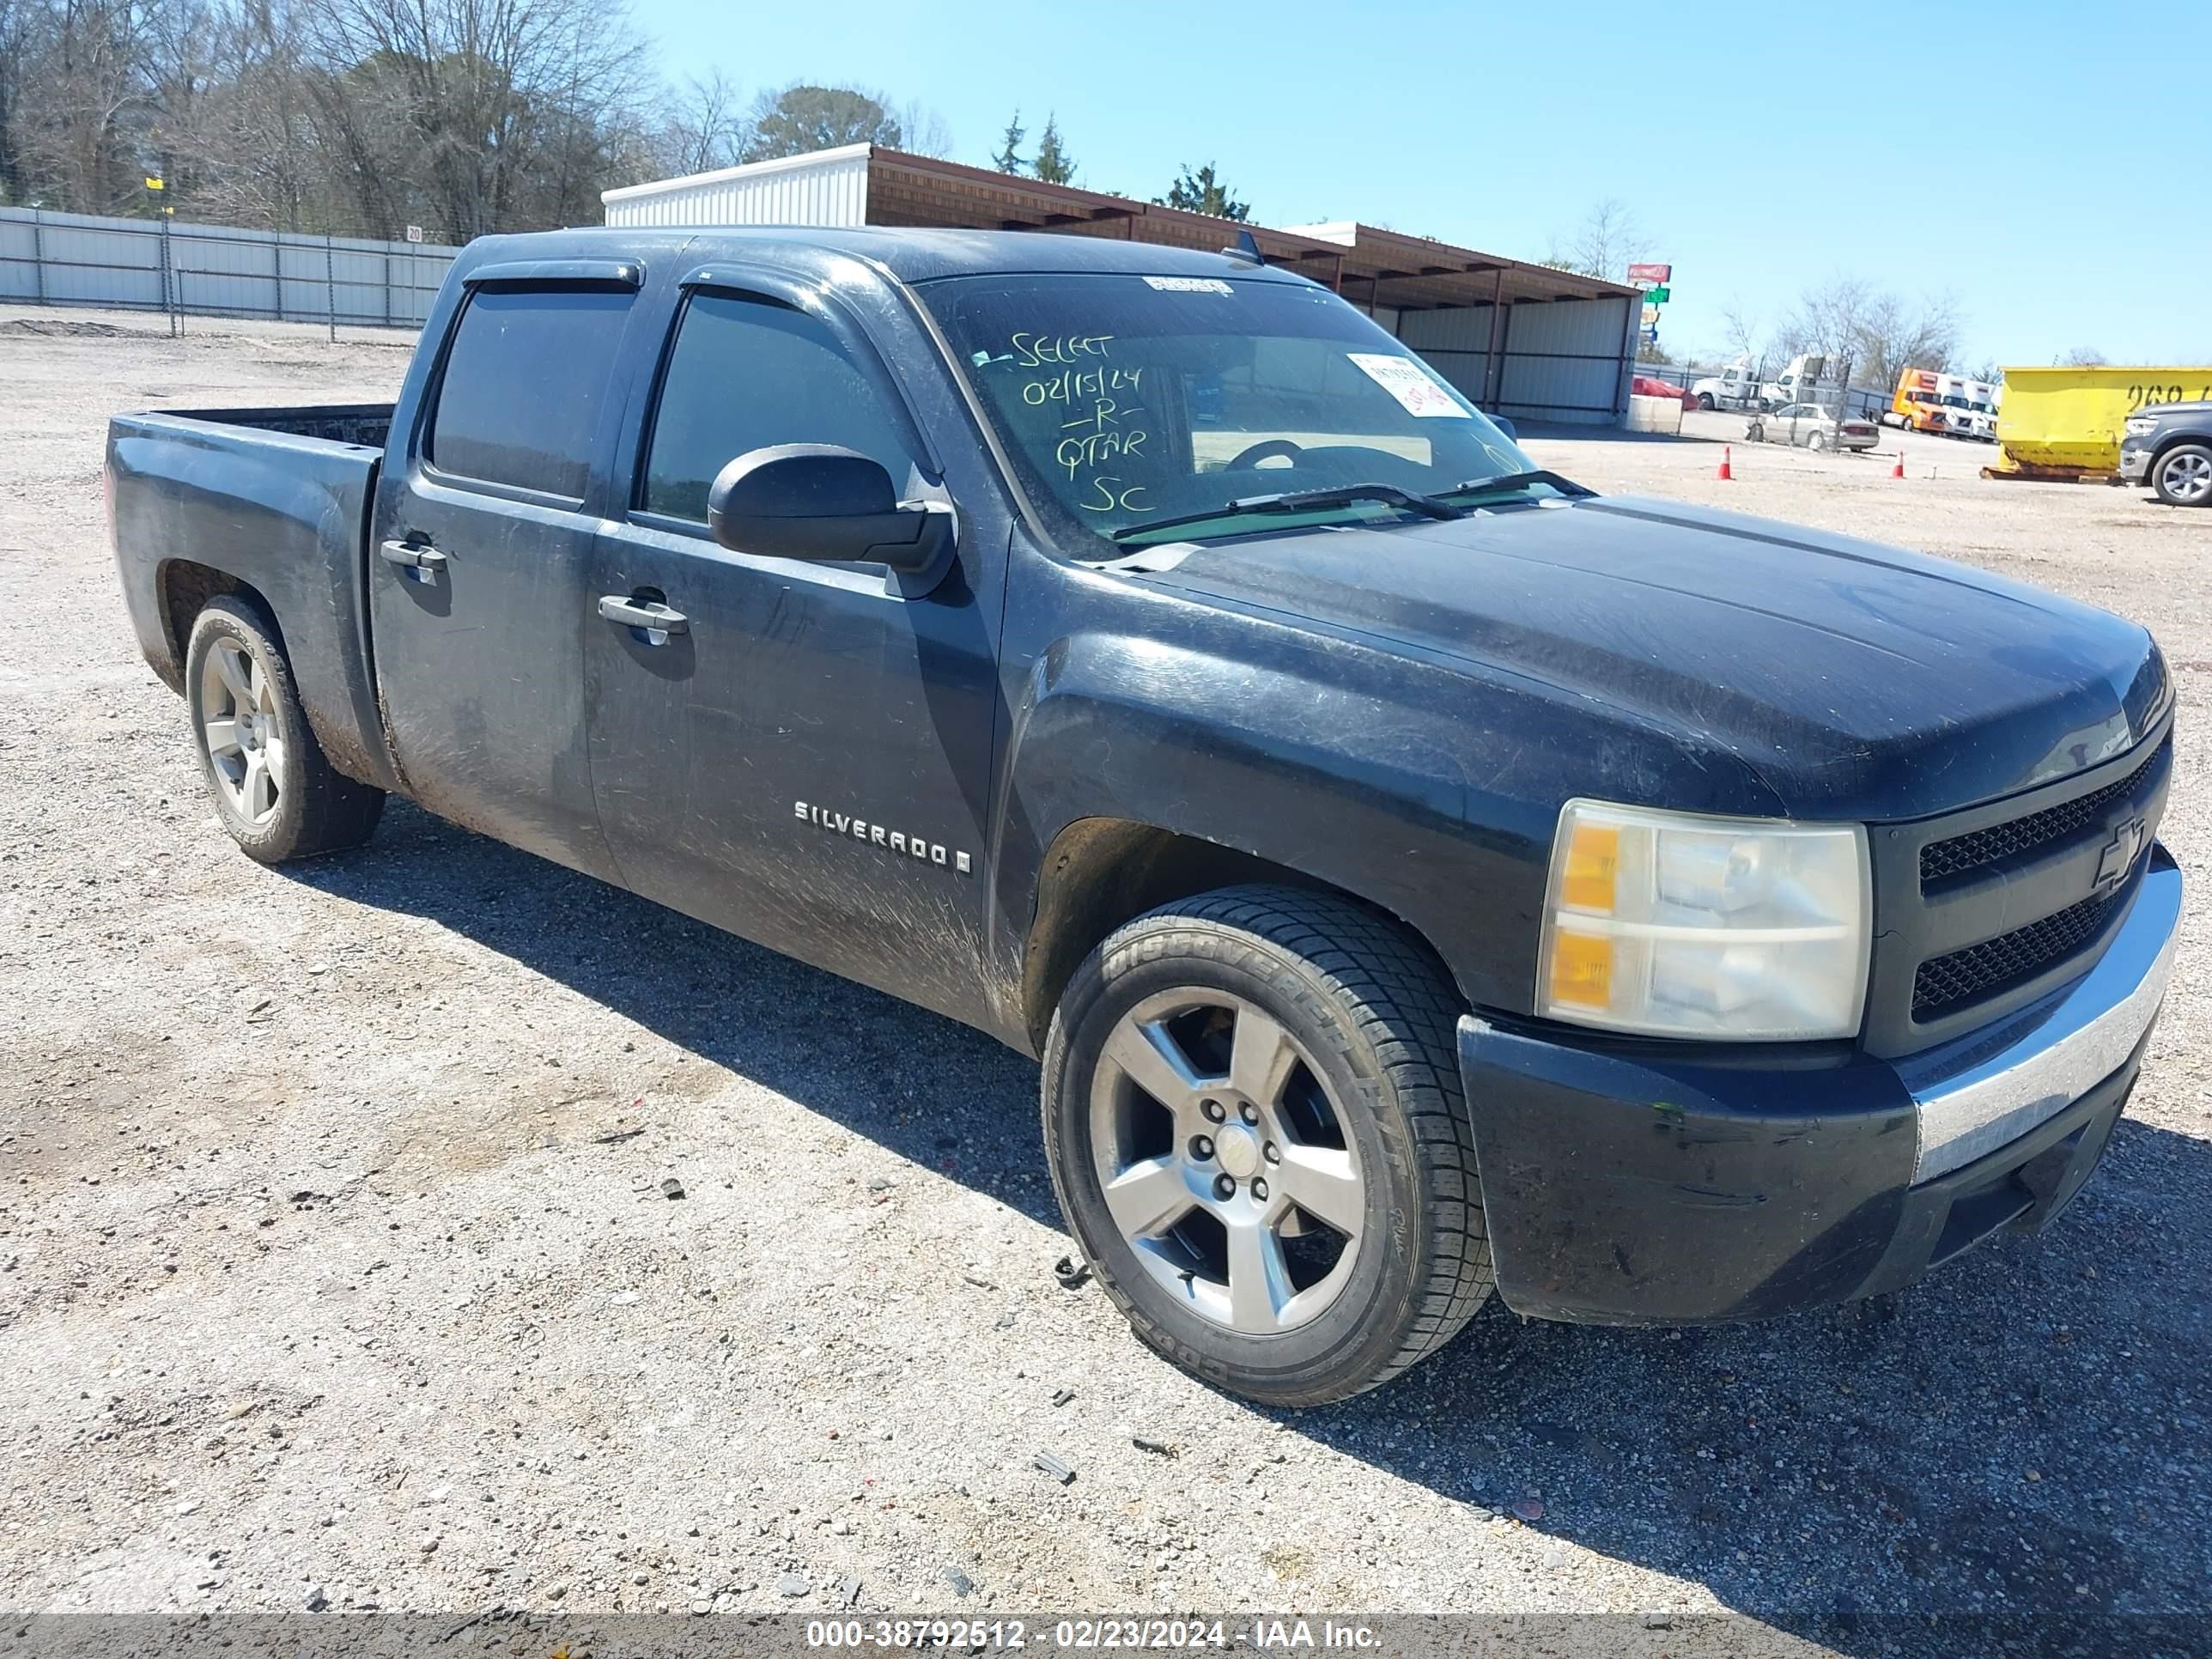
[156, 184]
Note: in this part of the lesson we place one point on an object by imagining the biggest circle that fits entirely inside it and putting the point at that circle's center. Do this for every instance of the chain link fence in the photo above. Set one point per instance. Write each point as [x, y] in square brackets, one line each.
[186, 271]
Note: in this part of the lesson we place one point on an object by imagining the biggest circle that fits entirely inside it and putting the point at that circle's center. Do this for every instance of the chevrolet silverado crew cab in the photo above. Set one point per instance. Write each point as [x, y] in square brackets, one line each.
[1421, 878]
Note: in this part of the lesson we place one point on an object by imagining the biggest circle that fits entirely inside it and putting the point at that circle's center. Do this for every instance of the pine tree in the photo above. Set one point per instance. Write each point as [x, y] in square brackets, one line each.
[1009, 158]
[1053, 164]
[1200, 191]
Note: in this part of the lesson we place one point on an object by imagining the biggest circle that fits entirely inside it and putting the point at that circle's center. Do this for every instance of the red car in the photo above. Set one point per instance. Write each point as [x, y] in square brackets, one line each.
[1647, 385]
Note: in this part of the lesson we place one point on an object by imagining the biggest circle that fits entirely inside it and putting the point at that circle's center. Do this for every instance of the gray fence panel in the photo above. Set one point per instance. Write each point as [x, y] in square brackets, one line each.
[202, 270]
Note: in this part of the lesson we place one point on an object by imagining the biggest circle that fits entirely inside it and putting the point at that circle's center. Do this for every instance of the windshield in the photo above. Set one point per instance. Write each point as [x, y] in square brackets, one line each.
[1128, 402]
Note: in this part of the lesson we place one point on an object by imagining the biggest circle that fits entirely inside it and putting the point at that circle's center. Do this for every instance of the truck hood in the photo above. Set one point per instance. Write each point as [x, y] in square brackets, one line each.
[1856, 680]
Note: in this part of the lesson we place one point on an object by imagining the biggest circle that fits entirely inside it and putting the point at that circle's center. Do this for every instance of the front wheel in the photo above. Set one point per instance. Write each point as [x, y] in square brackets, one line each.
[1253, 1119]
[1705, 400]
[2182, 477]
[274, 791]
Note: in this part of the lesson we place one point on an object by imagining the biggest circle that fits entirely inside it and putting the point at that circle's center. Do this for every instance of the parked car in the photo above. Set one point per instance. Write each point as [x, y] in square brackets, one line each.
[1650, 385]
[2169, 447]
[1420, 877]
[1811, 427]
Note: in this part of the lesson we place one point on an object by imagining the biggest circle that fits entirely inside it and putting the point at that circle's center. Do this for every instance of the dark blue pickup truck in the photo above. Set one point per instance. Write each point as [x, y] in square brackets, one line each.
[1419, 876]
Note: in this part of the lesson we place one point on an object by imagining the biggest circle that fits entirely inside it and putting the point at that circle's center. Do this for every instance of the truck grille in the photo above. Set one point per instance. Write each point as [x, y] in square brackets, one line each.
[1941, 862]
[1981, 910]
[1995, 966]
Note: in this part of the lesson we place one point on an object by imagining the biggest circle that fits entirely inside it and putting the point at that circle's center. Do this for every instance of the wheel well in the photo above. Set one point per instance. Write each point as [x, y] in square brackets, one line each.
[186, 588]
[2167, 446]
[1101, 872]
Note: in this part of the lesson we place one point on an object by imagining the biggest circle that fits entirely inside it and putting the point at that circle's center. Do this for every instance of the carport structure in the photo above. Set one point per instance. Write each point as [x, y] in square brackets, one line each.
[1525, 340]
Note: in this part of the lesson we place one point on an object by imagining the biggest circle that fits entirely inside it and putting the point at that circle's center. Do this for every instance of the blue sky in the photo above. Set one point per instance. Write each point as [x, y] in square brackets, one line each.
[2044, 168]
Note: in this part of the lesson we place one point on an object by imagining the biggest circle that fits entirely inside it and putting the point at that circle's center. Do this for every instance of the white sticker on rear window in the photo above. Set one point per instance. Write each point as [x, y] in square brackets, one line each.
[1413, 386]
[1190, 285]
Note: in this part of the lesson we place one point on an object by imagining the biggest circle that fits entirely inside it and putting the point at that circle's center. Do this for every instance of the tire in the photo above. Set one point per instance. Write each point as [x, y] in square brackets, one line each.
[1817, 441]
[2183, 475]
[1705, 400]
[1326, 1029]
[274, 790]
[1755, 433]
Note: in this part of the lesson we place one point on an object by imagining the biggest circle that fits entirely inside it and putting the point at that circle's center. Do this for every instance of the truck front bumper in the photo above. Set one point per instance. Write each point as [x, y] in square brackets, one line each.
[1660, 1184]
[2134, 463]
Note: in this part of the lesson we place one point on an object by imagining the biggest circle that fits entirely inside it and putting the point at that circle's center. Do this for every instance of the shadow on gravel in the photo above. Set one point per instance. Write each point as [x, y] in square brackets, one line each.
[2023, 1436]
[927, 1088]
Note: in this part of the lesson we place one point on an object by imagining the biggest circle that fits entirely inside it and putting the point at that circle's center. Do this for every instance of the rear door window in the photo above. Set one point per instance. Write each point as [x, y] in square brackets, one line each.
[747, 372]
[525, 382]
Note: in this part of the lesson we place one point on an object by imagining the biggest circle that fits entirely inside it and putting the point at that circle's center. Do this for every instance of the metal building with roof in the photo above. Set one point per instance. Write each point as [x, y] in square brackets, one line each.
[1524, 340]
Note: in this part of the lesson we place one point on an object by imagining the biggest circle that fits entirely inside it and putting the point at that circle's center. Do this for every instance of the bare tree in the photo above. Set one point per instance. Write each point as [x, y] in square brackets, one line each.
[705, 128]
[1879, 334]
[1739, 329]
[1606, 242]
[2079, 357]
[82, 104]
[922, 130]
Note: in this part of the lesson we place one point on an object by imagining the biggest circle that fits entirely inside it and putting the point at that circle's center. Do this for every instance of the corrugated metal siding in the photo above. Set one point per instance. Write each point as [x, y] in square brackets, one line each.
[1557, 360]
[70, 258]
[1563, 361]
[827, 193]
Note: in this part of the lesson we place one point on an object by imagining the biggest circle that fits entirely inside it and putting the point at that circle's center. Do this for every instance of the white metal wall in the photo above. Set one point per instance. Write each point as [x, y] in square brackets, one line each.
[148, 265]
[1557, 360]
[830, 188]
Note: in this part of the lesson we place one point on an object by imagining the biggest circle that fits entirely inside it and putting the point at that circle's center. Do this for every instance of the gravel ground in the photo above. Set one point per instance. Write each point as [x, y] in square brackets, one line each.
[336, 1269]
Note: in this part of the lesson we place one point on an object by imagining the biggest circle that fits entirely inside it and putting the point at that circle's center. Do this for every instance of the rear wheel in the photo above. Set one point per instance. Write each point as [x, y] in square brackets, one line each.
[1253, 1115]
[2182, 477]
[275, 792]
[1817, 441]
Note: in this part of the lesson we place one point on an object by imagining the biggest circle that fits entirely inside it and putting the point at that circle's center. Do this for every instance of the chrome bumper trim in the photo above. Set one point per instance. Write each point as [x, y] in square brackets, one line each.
[1990, 1086]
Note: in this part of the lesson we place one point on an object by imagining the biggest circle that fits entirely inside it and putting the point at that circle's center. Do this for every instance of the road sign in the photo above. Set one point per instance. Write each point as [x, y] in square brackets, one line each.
[1651, 334]
[1647, 276]
[1650, 316]
[414, 232]
[1656, 296]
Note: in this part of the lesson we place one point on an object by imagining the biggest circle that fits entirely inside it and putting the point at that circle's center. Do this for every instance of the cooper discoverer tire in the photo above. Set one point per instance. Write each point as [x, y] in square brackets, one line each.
[274, 790]
[1253, 1119]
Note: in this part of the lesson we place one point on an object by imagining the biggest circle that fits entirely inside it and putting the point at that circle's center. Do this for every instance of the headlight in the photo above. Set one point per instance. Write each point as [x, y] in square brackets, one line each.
[2139, 424]
[1671, 924]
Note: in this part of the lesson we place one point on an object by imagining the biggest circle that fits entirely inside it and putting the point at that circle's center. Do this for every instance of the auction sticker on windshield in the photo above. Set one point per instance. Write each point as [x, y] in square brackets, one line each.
[1408, 382]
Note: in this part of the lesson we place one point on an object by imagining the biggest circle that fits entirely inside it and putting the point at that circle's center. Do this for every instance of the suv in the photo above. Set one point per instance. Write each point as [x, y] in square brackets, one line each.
[2170, 448]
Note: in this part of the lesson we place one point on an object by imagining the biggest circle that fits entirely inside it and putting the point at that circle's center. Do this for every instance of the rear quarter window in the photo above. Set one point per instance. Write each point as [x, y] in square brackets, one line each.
[525, 381]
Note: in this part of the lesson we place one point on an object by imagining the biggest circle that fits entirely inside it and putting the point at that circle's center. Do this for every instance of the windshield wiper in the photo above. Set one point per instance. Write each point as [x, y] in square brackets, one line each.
[1301, 501]
[1542, 475]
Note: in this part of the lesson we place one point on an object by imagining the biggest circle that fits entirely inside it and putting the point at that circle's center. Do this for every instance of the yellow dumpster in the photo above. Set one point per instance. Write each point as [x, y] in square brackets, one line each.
[2065, 422]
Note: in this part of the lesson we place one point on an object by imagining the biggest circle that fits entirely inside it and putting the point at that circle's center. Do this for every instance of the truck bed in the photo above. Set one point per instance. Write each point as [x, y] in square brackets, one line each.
[363, 426]
[277, 500]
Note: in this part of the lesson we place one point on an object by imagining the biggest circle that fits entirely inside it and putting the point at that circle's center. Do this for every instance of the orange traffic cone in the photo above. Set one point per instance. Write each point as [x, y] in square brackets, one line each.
[1897, 469]
[1726, 471]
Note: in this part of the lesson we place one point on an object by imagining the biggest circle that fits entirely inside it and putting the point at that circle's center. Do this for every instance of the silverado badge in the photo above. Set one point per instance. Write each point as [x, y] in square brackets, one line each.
[919, 847]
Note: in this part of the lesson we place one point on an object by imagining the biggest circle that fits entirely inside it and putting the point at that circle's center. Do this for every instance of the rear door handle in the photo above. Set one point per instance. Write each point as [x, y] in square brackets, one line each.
[423, 561]
[649, 615]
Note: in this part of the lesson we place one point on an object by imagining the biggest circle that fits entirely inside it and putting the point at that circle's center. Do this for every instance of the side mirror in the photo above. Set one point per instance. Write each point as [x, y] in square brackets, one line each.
[1506, 427]
[824, 502]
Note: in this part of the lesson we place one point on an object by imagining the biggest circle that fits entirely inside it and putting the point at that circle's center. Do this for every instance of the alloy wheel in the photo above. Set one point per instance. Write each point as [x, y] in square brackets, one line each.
[2188, 478]
[1225, 1162]
[245, 742]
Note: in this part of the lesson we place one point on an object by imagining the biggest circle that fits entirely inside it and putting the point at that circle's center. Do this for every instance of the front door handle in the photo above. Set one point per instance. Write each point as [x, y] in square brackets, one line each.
[419, 559]
[649, 616]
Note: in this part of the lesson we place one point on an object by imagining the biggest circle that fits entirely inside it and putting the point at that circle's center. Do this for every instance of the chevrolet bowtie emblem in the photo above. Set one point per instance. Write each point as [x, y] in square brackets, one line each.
[2118, 856]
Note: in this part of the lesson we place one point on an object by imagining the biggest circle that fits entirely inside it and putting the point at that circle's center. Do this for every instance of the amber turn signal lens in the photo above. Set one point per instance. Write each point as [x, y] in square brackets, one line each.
[1593, 861]
[1582, 970]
